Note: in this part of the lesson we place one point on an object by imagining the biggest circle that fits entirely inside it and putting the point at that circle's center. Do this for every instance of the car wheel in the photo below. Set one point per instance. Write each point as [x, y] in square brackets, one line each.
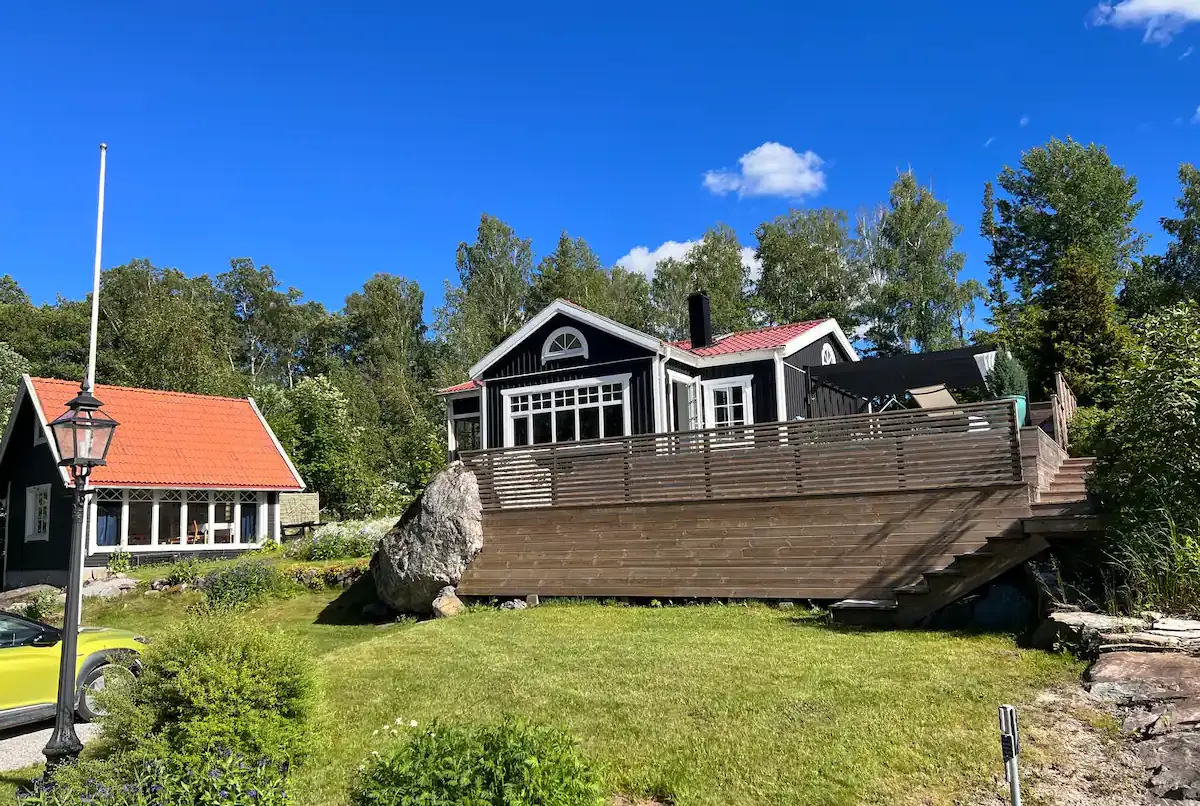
[95, 682]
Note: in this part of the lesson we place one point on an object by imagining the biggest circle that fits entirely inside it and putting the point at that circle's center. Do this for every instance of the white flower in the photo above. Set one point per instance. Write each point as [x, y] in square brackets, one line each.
[399, 720]
[412, 724]
[375, 753]
[374, 733]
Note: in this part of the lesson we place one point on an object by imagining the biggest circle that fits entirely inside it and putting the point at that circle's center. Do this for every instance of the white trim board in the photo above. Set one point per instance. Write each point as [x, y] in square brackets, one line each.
[275, 441]
[506, 408]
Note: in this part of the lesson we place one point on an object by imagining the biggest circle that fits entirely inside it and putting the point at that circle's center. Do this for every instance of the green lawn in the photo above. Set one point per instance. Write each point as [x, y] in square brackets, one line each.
[713, 705]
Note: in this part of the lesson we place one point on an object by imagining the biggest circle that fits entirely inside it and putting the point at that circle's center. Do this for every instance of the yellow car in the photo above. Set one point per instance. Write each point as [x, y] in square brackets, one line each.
[29, 658]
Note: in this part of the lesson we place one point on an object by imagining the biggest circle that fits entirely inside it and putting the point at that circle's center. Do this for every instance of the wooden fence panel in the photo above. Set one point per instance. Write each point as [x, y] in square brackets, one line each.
[969, 445]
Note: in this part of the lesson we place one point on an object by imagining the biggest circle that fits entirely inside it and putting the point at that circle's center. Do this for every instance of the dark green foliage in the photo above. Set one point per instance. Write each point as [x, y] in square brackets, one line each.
[1087, 429]
[216, 682]
[1158, 282]
[1148, 462]
[12, 366]
[1007, 377]
[184, 572]
[1157, 566]
[119, 562]
[714, 266]
[243, 583]
[506, 764]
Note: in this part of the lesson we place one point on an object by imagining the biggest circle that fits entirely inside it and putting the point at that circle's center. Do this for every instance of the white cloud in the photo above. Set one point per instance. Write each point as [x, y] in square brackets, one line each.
[1187, 53]
[1024, 121]
[1196, 117]
[989, 141]
[772, 169]
[1162, 19]
[642, 259]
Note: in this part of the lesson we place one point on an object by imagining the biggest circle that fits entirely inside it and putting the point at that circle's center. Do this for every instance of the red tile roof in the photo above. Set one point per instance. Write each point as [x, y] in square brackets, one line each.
[465, 386]
[766, 338]
[170, 439]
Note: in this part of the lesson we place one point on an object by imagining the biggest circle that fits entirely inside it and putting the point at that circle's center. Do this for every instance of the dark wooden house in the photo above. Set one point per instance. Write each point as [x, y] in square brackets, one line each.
[186, 474]
[570, 375]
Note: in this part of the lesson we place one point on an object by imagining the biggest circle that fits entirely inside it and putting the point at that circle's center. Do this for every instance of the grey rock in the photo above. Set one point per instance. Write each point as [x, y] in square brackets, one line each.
[152, 592]
[447, 605]
[108, 588]
[532, 600]
[1133, 678]
[1177, 625]
[1174, 765]
[10, 599]
[159, 585]
[786, 605]
[515, 604]
[1083, 628]
[431, 546]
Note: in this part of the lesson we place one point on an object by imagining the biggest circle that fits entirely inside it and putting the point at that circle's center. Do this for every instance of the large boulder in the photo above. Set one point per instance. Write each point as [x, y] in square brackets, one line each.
[431, 546]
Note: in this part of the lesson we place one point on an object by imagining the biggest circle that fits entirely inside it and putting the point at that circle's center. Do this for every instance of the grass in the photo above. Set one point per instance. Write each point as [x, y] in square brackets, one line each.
[712, 705]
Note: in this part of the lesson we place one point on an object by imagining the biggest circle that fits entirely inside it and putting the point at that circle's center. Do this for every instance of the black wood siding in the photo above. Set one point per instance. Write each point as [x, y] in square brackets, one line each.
[26, 465]
[641, 393]
[810, 356]
[795, 391]
[526, 357]
[762, 386]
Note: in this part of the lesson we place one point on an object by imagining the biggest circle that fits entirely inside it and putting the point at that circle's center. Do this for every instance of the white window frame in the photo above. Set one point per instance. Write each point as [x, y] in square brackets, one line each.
[266, 521]
[39, 431]
[452, 418]
[694, 407]
[32, 495]
[550, 354]
[828, 355]
[746, 383]
[550, 388]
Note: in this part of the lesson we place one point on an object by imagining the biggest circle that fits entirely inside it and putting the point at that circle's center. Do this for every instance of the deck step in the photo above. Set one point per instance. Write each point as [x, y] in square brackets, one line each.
[865, 612]
[1045, 509]
[1063, 524]
[1052, 497]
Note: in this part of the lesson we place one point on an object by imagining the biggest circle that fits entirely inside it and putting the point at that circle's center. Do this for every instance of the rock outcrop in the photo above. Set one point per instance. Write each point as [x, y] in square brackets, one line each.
[431, 546]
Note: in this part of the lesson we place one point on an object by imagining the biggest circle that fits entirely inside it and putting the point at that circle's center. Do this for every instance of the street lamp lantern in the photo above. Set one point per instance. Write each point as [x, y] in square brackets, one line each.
[83, 434]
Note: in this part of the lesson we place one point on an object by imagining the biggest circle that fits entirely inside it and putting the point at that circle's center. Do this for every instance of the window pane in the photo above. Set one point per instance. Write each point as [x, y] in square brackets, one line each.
[249, 524]
[108, 524]
[738, 415]
[564, 425]
[521, 431]
[14, 632]
[541, 428]
[139, 523]
[566, 397]
[737, 394]
[589, 394]
[721, 397]
[466, 405]
[466, 433]
[222, 527]
[168, 522]
[614, 421]
[541, 400]
[589, 423]
[197, 522]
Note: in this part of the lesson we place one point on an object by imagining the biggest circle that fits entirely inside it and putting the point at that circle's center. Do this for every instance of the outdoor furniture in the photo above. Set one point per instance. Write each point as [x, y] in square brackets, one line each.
[933, 397]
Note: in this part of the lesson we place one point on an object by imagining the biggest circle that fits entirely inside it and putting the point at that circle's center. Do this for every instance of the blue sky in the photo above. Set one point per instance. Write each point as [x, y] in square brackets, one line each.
[333, 141]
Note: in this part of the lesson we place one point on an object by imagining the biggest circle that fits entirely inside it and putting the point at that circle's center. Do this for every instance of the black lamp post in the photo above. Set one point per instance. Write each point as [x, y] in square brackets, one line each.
[83, 434]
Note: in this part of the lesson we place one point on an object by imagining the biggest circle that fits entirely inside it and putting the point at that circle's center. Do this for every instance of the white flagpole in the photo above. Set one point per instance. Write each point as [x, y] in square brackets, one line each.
[91, 372]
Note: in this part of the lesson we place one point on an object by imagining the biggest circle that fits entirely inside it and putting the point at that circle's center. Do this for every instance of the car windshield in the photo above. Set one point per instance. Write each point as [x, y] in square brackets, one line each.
[17, 631]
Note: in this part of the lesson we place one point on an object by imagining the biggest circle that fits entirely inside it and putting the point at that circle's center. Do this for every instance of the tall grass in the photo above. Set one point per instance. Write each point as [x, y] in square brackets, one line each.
[1159, 566]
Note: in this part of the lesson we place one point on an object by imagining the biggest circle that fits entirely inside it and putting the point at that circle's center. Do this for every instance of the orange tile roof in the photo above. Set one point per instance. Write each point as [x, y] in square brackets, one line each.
[465, 386]
[171, 439]
[766, 338]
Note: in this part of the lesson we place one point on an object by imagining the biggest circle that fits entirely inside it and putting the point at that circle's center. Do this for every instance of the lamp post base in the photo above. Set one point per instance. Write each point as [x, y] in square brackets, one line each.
[64, 747]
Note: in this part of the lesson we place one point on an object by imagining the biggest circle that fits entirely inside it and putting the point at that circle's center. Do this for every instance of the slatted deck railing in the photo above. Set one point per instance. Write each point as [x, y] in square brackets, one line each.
[968, 445]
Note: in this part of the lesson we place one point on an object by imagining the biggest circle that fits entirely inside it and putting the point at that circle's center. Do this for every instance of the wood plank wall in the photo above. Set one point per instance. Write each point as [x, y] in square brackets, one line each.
[810, 547]
[1041, 457]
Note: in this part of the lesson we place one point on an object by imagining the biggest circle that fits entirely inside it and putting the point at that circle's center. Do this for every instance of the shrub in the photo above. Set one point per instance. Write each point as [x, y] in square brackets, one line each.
[218, 777]
[505, 764]
[341, 541]
[1148, 463]
[119, 562]
[242, 584]
[215, 682]
[184, 572]
[1087, 428]
[1007, 376]
[42, 607]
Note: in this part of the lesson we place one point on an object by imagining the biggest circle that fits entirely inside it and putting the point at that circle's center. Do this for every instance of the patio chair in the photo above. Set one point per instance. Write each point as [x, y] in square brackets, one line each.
[933, 397]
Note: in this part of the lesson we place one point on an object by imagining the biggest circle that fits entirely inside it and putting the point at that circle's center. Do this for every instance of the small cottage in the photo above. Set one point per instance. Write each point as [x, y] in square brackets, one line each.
[186, 475]
[570, 374]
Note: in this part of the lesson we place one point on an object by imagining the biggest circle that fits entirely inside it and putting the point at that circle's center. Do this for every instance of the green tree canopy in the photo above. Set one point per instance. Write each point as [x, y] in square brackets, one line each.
[1162, 281]
[714, 266]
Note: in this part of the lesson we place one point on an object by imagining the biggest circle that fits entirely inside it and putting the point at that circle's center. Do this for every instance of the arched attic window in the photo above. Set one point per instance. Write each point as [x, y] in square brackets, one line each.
[566, 342]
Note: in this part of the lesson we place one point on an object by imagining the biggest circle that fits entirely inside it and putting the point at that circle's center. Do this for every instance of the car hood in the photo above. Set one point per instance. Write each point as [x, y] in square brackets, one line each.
[103, 635]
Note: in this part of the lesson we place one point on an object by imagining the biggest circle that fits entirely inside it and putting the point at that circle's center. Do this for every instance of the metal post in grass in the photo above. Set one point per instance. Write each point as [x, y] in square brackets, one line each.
[1010, 747]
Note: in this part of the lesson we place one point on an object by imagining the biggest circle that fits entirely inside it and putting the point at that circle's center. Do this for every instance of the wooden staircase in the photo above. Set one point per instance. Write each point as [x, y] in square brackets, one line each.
[1059, 510]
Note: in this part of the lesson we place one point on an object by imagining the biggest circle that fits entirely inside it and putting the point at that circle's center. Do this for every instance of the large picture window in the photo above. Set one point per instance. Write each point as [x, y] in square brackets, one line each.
[568, 412]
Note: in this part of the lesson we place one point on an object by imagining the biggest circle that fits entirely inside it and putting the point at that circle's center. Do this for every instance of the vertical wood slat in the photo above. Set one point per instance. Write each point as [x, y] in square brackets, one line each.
[968, 445]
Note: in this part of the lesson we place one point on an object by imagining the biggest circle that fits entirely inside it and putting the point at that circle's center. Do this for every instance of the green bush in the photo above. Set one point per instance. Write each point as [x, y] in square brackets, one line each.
[119, 562]
[506, 764]
[1087, 428]
[220, 777]
[341, 541]
[1147, 472]
[243, 583]
[1007, 376]
[42, 607]
[215, 682]
[184, 572]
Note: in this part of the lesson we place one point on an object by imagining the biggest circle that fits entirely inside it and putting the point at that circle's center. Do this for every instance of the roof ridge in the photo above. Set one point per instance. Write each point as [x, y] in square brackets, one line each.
[148, 391]
[765, 328]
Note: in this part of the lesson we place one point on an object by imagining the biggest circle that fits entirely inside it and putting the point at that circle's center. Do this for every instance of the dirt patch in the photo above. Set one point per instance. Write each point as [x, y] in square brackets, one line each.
[1073, 754]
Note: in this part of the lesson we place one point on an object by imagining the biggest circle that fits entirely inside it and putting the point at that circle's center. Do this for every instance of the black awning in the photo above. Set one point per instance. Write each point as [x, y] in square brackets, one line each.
[895, 375]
